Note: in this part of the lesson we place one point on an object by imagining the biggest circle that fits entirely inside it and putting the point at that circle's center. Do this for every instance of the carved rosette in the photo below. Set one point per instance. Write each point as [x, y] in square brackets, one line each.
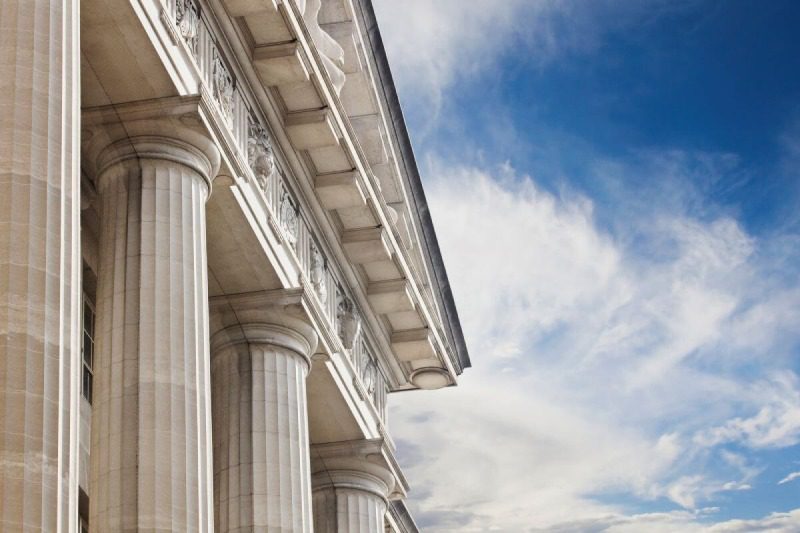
[288, 217]
[318, 273]
[260, 156]
[187, 19]
[222, 86]
[347, 320]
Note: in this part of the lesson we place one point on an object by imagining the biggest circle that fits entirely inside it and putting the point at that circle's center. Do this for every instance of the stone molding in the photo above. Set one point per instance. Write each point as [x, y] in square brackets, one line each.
[355, 480]
[130, 150]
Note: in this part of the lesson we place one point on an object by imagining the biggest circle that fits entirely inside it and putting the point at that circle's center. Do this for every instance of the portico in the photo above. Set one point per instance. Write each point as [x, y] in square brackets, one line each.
[259, 269]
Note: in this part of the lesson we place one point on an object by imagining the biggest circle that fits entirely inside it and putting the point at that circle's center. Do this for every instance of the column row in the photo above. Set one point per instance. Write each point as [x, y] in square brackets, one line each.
[153, 464]
[164, 373]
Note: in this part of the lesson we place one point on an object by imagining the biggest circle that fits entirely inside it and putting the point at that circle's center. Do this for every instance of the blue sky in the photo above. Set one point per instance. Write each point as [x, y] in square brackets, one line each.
[614, 186]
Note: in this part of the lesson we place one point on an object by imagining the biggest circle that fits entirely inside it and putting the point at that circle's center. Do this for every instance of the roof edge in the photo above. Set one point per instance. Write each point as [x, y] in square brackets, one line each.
[433, 257]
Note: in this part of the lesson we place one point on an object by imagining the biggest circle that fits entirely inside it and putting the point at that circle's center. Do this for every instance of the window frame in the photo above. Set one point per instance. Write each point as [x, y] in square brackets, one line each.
[87, 367]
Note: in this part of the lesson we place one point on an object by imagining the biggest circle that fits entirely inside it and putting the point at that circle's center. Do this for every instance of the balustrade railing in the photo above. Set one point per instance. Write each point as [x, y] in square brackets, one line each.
[254, 143]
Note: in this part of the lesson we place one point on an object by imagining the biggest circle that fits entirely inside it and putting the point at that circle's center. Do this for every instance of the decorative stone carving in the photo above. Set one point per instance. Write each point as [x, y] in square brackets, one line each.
[369, 374]
[288, 217]
[348, 322]
[187, 19]
[222, 85]
[332, 54]
[260, 155]
[318, 273]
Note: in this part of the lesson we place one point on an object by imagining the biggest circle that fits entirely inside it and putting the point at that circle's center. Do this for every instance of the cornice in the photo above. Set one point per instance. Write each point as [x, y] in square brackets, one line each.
[433, 257]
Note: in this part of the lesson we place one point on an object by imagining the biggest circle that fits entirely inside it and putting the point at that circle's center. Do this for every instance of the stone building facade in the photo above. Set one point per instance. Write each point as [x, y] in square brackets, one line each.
[216, 263]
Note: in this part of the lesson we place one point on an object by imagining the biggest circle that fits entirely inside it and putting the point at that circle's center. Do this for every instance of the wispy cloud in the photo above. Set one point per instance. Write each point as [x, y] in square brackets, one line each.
[776, 424]
[683, 521]
[790, 477]
[632, 341]
[597, 363]
[433, 44]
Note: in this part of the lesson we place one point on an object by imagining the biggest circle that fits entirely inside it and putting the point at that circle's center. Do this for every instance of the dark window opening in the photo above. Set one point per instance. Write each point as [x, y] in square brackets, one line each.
[87, 349]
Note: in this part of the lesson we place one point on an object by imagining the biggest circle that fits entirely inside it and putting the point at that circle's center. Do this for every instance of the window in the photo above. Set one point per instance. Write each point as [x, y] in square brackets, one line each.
[87, 349]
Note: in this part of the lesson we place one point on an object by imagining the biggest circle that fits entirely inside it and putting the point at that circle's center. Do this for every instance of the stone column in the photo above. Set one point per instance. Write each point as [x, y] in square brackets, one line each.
[262, 476]
[151, 434]
[351, 489]
[39, 263]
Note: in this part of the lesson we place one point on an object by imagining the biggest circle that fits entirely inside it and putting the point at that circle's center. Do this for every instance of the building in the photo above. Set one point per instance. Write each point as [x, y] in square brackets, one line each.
[216, 262]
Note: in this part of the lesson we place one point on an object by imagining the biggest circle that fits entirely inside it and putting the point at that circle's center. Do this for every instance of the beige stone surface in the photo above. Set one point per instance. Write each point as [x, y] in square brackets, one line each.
[39, 264]
[350, 495]
[262, 476]
[351, 510]
[151, 442]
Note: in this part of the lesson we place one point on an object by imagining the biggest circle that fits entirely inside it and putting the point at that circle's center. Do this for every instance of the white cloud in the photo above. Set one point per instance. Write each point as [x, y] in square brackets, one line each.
[776, 424]
[790, 477]
[608, 356]
[597, 367]
[788, 522]
[679, 521]
[433, 43]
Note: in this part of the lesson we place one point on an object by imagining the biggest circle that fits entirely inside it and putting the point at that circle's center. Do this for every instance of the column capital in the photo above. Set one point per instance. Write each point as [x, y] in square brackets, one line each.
[275, 318]
[171, 129]
[362, 465]
[360, 476]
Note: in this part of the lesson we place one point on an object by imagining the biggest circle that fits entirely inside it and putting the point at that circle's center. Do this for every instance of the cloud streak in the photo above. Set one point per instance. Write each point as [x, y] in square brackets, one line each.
[597, 366]
[433, 45]
[632, 350]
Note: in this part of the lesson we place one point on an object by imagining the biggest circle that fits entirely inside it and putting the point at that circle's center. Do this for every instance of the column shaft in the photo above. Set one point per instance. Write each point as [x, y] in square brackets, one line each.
[262, 476]
[346, 509]
[151, 456]
[39, 263]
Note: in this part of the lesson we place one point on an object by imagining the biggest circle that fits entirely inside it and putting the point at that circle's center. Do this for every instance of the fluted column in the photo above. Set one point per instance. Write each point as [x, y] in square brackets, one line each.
[349, 501]
[350, 494]
[262, 477]
[39, 263]
[151, 453]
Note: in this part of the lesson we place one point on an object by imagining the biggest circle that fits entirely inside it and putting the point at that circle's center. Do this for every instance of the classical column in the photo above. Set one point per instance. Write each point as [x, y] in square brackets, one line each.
[39, 263]
[350, 487]
[262, 476]
[151, 434]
